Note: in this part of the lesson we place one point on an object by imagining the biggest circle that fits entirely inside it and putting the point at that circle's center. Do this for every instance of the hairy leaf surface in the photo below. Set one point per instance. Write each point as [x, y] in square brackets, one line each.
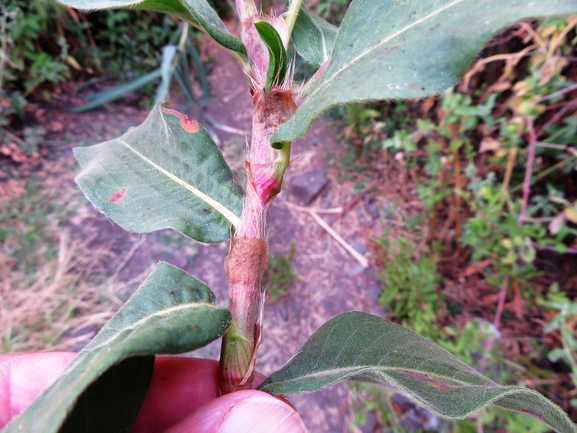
[314, 37]
[197, 12]
[165, 173]
[370, 349]
[408, 49]
[104, 387]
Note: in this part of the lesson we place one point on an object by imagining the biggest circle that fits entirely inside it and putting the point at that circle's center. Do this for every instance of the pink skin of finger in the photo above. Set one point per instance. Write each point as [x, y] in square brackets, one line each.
[23, 377]
[242, 412]
[183, 397]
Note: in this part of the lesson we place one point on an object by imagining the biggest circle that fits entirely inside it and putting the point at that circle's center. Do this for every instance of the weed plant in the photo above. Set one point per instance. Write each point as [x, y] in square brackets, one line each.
[468, 159]
[44, 44]
[411, 293]
[280, 272]
[205, 208]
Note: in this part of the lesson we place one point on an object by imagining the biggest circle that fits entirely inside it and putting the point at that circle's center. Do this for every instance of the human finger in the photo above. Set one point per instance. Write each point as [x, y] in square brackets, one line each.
[178, 387]
[242, 411]
[23, 377]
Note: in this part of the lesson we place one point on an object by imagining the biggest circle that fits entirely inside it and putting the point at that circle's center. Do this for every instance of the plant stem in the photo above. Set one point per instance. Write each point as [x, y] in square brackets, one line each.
[245, 8]
[244, 266]
[248, 254]
[544, 173]
[528, 172]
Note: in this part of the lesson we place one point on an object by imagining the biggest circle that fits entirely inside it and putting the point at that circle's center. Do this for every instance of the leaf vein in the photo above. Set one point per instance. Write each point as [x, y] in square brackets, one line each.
[224, 211]
[384, 41]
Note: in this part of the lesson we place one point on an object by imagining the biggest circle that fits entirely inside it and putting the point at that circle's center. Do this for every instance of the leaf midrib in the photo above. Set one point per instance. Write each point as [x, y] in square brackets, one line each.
[349, 371]
[157, 314]
[224, 211]
[368, 51]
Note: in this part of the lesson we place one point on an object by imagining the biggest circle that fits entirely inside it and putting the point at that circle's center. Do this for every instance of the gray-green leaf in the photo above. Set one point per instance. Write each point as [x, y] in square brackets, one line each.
[313, 37]
[396, 49]
[165, 173]
[367, 348]
[104, 387]
[197, 12]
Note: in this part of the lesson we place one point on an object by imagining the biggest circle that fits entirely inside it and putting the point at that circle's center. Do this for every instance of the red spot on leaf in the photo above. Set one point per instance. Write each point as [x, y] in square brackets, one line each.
[118, 195]
[534, 414]
[429, 380]
[188, 125]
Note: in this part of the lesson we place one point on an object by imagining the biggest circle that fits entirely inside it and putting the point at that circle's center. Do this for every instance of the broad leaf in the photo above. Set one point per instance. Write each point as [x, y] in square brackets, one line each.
[367, 348]
[277, 54]
[313, 37]
[165, 173]
[196, 12]
[395, 49]
[104, 387]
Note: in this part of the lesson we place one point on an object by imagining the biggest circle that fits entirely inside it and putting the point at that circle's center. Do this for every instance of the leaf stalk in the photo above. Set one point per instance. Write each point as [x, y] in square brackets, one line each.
[291, 17]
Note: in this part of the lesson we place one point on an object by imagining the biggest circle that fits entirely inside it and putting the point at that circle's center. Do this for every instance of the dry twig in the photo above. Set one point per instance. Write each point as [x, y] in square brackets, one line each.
[528, 171]
[358, 256]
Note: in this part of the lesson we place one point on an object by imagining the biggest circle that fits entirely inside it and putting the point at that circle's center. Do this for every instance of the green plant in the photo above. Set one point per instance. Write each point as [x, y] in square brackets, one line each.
[447, 154]
[43, 44]
[565, 323]
[280, 273]
[486, 215]
[410, 291]
[11, 102]
[495, 235]
[126, 42]
[174, 65]
[167, 173]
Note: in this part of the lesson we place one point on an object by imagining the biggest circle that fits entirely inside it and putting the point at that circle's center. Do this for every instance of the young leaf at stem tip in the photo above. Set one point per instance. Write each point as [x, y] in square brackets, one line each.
[277, 54]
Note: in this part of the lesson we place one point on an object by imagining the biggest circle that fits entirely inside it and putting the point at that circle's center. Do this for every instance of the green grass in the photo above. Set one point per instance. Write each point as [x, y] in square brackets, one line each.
[280, 273]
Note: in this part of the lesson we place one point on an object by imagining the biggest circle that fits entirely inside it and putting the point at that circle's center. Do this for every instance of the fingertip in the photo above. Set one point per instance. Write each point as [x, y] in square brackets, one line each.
[262, 413]
[243, 411]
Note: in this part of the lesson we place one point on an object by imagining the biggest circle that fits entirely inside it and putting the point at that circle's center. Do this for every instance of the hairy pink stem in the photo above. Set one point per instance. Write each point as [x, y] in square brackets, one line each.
[248, 254]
